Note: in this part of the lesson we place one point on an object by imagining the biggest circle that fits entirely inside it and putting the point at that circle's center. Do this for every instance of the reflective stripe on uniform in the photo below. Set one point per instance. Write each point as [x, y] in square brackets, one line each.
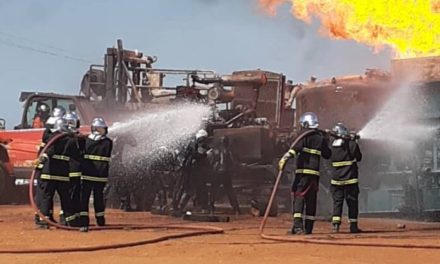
[292, 152]
[307, 171]
[99, 214]
[95, 179]
[70, 218]
[297, 215]
[60, 157]
[352, 220]
[75, 174]
[312, 151]
[84, 213]
[54, 177]
[346, 182]
[310, 217]
[343, 163]
[40, 166]
[336, 219]
[97, 158]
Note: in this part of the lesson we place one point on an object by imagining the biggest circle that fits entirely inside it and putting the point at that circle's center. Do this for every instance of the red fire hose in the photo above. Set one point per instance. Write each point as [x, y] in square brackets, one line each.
[317, 241]
[192, 229]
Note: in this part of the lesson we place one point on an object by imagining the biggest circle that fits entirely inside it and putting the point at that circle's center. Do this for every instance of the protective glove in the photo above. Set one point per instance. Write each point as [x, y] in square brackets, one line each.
[36, 162]
[282, 163]
[43, 158]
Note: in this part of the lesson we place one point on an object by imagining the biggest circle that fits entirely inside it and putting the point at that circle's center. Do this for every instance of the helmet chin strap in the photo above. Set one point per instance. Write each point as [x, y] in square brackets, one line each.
[96, 136]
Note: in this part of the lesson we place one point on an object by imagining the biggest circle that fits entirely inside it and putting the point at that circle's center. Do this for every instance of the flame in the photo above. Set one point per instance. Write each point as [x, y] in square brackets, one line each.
[410, 27]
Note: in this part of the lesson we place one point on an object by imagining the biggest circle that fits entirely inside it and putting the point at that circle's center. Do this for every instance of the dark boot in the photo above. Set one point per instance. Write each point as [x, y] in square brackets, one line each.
[100, 221]
[37, 219]
[42, 224]
[354, 228]
[308, 226]
[298, 227]
[335, 227]
[297, 231]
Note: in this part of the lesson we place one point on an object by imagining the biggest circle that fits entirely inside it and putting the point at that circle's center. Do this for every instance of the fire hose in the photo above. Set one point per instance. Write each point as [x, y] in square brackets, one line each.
[317, 241]
[193, 229]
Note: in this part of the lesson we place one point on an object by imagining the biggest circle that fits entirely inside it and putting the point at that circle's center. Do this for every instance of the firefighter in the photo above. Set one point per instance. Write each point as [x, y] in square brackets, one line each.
[121, 186]
[73, 124]
[194, 173]
[223, 169]
[55, 173]
[305, 185]
[57, 112]
[344, 181]
[40, 118]
[95, 168]
[161, 168]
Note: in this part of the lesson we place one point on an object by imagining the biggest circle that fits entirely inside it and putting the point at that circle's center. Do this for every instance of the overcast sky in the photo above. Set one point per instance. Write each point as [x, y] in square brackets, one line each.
[38, 40]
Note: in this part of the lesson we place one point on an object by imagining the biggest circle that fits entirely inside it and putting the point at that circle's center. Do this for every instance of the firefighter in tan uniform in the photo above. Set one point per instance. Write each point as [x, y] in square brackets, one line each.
[344, 182]
[95, 168]
[309, 150]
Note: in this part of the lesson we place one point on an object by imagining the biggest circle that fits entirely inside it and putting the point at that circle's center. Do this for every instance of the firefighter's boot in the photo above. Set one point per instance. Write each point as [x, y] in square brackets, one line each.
[335, 227]
[298, 227]
[100, 221]
[354, 228]
[308, 226]
[37, 219]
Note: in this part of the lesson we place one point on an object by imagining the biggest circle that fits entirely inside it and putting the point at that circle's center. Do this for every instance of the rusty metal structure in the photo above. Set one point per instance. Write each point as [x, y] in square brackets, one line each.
[391, 181]
[248, 106]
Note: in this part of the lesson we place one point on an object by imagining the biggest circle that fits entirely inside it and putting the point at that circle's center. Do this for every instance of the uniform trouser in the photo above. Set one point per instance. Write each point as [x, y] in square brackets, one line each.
[38, 196]
[75, 194]
[350, 194]
[225, 179]
[199, 178]
[48, 188]
[305, 190]
[87, 187]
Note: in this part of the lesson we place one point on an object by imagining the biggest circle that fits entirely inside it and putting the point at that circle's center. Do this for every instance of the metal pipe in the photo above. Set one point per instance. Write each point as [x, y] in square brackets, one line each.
[133, 85]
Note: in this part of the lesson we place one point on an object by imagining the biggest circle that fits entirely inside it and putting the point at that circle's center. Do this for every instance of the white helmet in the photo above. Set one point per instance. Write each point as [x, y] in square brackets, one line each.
[340, 130]
[201, 134]
[309, 120]
[60, 124]
[58, 111]
[72, 120]
[99, 127]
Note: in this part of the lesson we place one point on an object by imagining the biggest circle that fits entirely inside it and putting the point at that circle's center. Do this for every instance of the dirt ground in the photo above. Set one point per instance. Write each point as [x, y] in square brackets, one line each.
[239, 244]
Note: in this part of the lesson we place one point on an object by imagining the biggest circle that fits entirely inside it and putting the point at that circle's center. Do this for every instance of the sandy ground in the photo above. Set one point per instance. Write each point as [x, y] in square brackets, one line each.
[239, 244]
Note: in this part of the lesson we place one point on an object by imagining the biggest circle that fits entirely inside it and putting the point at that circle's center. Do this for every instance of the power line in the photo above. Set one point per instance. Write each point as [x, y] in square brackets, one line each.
[42, 51]
[31, 40]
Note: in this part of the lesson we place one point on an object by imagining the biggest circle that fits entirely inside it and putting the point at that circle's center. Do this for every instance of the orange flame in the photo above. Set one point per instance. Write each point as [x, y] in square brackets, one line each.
[410, 27]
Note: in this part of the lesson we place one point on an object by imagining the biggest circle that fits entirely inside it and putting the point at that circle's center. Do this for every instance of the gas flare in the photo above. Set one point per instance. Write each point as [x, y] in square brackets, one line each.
[410, 27]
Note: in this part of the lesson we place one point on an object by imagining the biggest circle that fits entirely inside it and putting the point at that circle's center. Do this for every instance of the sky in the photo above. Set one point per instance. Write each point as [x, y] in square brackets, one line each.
[47, 45]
